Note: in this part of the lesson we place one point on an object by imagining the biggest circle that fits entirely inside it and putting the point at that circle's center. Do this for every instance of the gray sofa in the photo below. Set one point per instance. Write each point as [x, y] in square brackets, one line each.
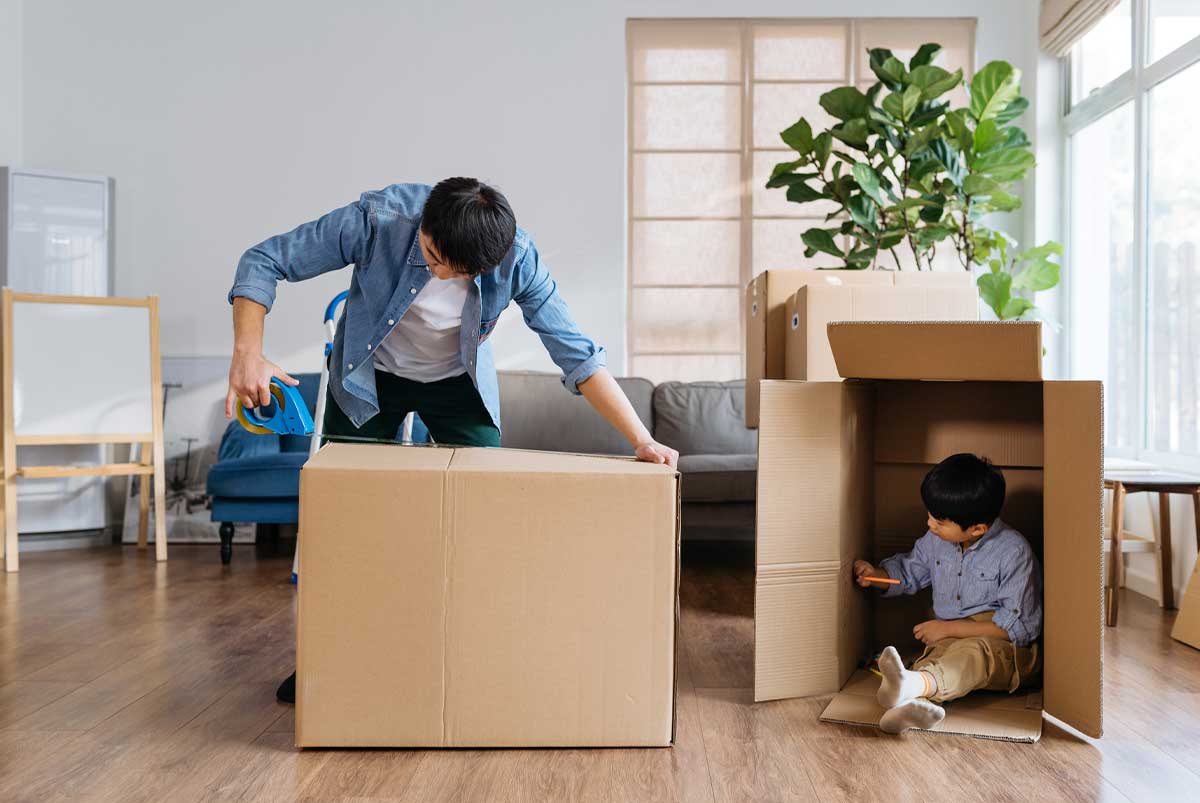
[705, 421]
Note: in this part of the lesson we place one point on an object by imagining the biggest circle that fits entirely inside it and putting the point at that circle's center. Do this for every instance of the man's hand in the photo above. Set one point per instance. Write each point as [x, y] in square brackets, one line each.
[655, 452]
[933, 631]
[863, 570]
[250, 377]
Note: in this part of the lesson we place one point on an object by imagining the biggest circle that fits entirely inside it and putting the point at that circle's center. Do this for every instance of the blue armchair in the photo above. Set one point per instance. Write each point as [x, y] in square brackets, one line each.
[257, 477]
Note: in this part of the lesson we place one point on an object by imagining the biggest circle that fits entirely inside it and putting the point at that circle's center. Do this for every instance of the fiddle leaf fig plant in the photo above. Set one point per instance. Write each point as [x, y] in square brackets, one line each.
[902, 169]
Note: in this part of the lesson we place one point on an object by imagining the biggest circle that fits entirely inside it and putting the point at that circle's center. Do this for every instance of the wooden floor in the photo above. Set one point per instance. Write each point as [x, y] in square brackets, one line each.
[125, 680]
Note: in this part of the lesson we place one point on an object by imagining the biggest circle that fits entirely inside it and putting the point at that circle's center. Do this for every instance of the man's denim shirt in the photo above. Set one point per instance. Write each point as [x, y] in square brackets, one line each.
[999, 572]
[378, 235]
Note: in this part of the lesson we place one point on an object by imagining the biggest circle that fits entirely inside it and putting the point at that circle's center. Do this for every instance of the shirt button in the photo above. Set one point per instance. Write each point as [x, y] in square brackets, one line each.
[391, 322]
[349, 366]
[958, 596]
[412, 291]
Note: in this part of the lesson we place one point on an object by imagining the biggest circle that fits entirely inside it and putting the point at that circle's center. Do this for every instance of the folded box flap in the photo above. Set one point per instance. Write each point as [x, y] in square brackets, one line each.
[947, 350]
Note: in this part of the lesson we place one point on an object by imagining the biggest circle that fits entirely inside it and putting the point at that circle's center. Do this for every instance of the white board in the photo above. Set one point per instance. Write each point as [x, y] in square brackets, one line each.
[80, 369]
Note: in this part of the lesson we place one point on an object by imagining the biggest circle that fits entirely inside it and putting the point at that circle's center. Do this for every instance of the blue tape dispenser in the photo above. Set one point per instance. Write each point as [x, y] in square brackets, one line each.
[286, 415]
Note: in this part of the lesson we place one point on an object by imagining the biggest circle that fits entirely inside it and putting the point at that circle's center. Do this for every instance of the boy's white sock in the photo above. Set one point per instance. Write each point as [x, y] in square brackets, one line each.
[900, 685]
[917, 713]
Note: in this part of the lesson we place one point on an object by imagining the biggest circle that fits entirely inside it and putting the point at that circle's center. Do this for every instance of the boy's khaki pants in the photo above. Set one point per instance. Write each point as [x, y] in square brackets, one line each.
[962, 665]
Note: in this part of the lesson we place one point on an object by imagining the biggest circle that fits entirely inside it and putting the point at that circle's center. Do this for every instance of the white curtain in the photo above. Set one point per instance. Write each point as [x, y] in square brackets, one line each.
[1064, 22]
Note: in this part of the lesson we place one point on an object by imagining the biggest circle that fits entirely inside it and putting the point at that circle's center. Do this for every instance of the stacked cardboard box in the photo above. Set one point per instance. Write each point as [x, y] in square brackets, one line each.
[786, 312]
[485, 598]
[839, 474]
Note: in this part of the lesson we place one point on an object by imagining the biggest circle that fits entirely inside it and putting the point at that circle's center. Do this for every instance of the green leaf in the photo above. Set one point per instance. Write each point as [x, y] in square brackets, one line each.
[893, 105]
[932, 212]
[798, 136]
[956, 121]
[925, 55]
[802, 193]
[891, 239]
[1001, 201]
[845, 103]
[862, 211]
[852, 132]
[868, 179]
[1012, 111]
[822, 145]
[788, 179]
[920, 140]
[918, 170]
[949, 158]
[862, 258]
[934, 81]
[821, 240]
[1007, 165]
[985, 134]
[886, 67]
[1012, 137]
[993, 88]
[931, 112]
[1015, 308]
[996, 291]
[975, 184]
[1037, 276]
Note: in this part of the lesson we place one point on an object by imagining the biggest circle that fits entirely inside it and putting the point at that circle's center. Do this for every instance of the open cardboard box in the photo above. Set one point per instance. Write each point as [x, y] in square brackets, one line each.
[916, 296]
[839, 473]
[456, 597]
[767, 315]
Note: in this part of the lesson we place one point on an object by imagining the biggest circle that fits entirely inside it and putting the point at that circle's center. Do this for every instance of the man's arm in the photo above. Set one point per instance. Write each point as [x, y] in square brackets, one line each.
[249, 372]
[607, 398]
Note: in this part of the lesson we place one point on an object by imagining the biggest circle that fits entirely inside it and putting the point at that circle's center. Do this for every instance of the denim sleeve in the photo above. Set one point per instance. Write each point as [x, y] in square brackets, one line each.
[910, 568]
[329, 243]
[1020, 612]
[547, 314]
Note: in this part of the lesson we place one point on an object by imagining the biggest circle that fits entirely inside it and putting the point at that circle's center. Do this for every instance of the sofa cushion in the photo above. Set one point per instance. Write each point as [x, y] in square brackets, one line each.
[718, 477]
[537, 412]
[703, 418]
[265, 476]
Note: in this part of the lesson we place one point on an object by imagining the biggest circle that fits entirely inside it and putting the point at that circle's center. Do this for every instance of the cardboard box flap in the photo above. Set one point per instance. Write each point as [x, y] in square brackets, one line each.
[509, 461]
[1073, 670]
[945, 350]
[379, 457]
[1007, 717]
[1187, 623]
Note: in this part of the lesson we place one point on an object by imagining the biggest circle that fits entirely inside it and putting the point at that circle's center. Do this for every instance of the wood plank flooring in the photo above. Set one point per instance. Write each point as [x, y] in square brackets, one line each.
[126, 680]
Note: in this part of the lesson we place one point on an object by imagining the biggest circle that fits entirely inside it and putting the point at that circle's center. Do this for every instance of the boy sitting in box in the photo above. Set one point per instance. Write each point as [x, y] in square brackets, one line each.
[987, 596]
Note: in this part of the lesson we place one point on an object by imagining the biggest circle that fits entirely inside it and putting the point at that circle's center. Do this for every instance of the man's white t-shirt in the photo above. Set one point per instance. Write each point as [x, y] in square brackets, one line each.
[424, 344]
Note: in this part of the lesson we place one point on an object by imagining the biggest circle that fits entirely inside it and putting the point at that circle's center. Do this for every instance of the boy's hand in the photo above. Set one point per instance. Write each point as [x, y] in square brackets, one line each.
[863, 570]
[932, 631]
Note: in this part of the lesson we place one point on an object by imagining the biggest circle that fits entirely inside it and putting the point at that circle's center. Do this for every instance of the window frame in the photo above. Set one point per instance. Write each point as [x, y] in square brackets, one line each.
[1132, 86]
[747, 149]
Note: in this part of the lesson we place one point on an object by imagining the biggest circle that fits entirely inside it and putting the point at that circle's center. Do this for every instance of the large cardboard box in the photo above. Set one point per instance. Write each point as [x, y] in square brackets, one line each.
[485, 598]
[839, 473]
[767, 314]
[923, 296]
[1187, 623]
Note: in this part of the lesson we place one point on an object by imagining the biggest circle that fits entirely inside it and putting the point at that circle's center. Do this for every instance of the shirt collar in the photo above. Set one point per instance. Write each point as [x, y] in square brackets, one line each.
[415, 255]
[996, 527]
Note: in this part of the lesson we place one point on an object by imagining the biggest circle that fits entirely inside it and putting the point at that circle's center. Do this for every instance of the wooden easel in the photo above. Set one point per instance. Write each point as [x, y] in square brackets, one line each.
[150, 462]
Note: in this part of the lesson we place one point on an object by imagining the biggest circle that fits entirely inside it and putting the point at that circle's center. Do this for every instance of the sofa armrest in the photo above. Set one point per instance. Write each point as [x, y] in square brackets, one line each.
[238, 442]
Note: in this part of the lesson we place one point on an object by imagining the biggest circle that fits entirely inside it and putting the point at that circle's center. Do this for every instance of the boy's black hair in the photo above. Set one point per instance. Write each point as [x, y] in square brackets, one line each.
[964, 489]
[471, 224]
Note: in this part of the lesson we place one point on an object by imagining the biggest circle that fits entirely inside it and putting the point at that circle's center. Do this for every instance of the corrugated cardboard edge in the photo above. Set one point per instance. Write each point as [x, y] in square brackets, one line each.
[678, 572]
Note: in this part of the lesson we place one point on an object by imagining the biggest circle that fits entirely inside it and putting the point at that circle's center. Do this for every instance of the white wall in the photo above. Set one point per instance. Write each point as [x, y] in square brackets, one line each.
[11, 83]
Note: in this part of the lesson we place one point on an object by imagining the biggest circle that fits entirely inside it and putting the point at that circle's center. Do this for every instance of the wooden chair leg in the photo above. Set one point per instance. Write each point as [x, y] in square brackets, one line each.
[1166, 579]
[226, 542]
[1115, 576]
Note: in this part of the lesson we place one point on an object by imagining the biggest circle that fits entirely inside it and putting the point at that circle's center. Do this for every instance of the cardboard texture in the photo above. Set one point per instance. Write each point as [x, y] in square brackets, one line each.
[948, 294]
[923, 296]
[485, 598]
[839, 474]
[1187, 622]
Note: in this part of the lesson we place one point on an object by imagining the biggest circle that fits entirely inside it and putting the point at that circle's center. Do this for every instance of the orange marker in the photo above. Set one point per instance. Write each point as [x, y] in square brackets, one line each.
[887, 580]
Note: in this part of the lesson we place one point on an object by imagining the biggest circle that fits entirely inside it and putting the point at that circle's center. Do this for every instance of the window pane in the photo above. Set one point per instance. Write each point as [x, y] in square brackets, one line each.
[805, 52]
[1173, 310]
[686, 252]
[777, 106]
[686, 185]
[687, 117]
[1101, 269]
[903, 37]
[1172, 22]
[774, 201]
[777, 245]
[688, 368]
[705, 319]
[1104, 53]
[679, 51]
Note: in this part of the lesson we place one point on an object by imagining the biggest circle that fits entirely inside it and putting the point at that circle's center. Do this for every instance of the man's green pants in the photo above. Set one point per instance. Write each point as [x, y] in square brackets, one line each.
[451, 409]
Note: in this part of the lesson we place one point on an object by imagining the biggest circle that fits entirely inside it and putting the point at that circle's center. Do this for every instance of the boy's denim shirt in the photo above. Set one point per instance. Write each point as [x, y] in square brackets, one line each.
[999, 572]
[378, 235]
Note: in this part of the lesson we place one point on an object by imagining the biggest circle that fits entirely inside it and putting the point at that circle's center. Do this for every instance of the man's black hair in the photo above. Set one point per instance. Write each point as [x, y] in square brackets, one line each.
[471, 224]
[964, 489]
